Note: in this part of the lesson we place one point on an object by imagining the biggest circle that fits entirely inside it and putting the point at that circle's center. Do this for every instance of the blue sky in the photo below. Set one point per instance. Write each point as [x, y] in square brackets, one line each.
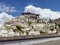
[19, 5]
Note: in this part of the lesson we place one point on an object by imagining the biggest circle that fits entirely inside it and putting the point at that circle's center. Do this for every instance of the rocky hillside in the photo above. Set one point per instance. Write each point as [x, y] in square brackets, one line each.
[28, 24]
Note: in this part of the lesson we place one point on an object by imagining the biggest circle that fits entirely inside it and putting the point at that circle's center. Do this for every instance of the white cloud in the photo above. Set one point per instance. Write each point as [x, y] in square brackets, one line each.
[4, 17]
[44, 13]
[6, 8]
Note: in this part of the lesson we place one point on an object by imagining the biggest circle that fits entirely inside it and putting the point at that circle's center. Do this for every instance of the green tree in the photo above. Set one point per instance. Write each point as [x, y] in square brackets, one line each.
[29, 23]
[19, 28]
[27, 32]
[37, 21]
[50, 21]
[32, 27]
[58, 25]
[42, 32]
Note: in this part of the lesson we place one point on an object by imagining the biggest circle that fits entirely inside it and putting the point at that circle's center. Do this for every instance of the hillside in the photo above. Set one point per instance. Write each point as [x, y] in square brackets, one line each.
[28, 24]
